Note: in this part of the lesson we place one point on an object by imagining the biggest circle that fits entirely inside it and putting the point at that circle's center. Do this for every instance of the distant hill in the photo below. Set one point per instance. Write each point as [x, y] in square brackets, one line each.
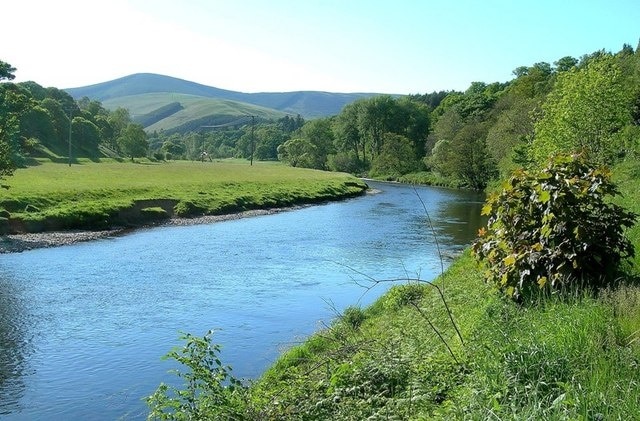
[164, 102]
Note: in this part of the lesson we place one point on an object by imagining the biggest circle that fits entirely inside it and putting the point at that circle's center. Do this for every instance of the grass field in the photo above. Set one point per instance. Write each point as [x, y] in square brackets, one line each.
[97, 195]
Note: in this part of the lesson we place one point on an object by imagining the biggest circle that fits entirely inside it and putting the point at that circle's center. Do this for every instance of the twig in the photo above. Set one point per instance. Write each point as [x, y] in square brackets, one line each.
[433, 232]
[424, 316]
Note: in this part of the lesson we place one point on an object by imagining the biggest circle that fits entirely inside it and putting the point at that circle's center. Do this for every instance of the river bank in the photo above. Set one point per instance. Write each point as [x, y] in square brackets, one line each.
[16, 243]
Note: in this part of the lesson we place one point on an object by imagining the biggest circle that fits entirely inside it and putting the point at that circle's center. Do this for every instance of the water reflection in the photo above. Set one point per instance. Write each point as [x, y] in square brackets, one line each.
[14, 345]
[459, 219]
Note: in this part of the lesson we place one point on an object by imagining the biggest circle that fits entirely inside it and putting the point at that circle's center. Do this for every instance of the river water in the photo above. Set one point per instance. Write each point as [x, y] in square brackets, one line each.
[83, 327]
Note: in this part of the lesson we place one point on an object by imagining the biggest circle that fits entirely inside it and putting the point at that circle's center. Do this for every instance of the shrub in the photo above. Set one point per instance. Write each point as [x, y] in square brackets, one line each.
[402, 295]
[550, 228]
[210, 391]
[353, 317]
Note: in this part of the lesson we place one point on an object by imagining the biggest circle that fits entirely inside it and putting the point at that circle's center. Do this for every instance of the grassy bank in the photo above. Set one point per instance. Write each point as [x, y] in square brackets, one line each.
[90, 195]
[471, 355]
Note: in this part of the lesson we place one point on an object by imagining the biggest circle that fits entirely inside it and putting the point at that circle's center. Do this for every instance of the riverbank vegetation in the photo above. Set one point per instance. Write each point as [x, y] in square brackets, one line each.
[89, 195]
[455, 349]
[531, 326]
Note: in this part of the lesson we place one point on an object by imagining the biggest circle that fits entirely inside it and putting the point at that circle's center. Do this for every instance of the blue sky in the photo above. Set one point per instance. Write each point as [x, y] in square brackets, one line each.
[394, 46]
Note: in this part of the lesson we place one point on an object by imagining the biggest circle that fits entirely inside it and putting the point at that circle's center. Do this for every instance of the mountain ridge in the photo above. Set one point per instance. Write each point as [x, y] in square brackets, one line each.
[308, 104]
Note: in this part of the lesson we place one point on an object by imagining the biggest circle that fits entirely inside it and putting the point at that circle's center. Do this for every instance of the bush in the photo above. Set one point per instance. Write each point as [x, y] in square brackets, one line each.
[210, 391]
[353, 317]
[551, 228]
[401, 295]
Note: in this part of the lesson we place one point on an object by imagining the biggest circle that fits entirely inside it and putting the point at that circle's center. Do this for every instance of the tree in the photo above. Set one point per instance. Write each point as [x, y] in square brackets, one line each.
[297, 152]
[318, 133]
[565, 64]
[473, 164]
[512, 130]
[268, 138]
[347, 134]
[6, 71]
[397, 157]
[584, 110]
[37, 123]
[133, 141]
[15, 101]
[86, 137]
[374, 120]
[119, 119]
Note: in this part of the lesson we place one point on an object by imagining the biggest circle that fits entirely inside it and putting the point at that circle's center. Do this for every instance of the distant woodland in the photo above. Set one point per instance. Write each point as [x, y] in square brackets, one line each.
[465, 139]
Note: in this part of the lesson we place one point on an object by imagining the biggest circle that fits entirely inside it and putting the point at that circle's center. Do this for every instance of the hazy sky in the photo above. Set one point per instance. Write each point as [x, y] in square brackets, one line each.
[386, 46]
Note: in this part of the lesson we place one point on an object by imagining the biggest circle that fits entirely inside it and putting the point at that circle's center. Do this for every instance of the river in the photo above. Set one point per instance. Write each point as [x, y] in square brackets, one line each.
[83, 327]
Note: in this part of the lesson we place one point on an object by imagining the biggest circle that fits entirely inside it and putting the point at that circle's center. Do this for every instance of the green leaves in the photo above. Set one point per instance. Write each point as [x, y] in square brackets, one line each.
[553, 227]
[583, 111]
[209, 388]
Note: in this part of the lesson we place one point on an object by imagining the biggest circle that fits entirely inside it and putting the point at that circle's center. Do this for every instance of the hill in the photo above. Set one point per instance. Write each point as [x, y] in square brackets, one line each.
[145, 93]
[179, 112]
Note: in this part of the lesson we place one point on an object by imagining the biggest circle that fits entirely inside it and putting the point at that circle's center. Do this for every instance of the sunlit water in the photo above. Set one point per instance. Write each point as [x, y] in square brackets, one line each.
[83, 327]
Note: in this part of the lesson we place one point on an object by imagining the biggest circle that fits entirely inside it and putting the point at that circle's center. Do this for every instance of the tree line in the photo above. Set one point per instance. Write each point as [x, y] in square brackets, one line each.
[37, 121]
[465, 138]
[591, 104]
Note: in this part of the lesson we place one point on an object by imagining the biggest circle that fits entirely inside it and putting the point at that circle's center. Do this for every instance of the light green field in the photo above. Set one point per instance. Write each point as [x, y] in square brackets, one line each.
[97, 195]
[194, 108]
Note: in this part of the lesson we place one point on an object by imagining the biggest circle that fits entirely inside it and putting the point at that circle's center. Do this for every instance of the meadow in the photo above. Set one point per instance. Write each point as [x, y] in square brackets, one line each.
[89, 195]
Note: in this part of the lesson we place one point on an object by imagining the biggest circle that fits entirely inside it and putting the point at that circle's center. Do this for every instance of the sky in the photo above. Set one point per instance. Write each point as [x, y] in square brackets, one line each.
[381, 46]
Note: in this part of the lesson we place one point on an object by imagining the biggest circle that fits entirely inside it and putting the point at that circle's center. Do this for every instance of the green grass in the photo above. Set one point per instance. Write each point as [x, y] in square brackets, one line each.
[572, 357]
[194, 108]
[97, 195]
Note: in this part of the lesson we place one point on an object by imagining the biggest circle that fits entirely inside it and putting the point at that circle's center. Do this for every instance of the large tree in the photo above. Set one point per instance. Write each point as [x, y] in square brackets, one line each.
[133, 141]
[12, 104]
[587, 106]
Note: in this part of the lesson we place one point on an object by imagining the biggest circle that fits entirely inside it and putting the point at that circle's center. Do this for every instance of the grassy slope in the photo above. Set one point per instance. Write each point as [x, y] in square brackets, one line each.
[571, 359]
[93, 195]
[194, 108]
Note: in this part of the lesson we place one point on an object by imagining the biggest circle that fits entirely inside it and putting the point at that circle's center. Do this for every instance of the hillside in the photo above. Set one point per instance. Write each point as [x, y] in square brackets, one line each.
[175, 112]
[125, 92]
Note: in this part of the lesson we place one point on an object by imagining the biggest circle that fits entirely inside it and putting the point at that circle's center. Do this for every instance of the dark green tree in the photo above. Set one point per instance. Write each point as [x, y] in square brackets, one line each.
[397, 157]
[14, 102]
[133, 141]
[6, 71]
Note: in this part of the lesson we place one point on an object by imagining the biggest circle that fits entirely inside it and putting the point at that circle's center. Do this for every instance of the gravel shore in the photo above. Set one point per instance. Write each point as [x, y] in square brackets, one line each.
[15, 243]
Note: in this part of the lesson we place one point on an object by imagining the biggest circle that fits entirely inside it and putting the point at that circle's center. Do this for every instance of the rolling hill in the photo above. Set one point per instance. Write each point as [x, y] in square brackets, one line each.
[172, 104]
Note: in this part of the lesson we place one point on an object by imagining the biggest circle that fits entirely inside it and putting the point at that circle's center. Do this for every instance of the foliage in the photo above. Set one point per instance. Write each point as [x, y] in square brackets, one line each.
[6, 71]
[586, 107]
[14, 103]
[298, 152]
[353, 317]
[133, 141]
[553, 228]
[345, 162]
[397, 157]
[209, 391]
